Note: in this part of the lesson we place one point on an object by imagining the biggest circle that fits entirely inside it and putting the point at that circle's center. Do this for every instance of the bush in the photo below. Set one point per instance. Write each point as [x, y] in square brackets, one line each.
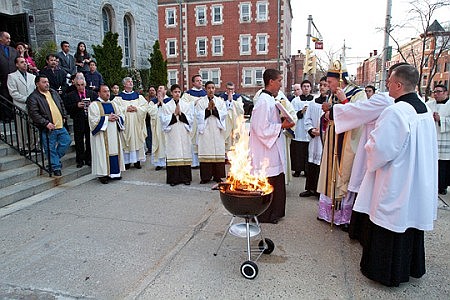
[109, 59]
[47, 48]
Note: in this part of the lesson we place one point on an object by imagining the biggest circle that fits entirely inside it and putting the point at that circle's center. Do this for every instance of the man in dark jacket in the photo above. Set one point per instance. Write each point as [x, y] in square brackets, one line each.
[7, 65]
[47, 112]
[77, 103]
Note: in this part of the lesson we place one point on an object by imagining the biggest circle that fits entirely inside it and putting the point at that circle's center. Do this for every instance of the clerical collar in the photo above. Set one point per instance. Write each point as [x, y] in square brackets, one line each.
[442, 102]
[414, 101]
[211, 98]
[267, 92]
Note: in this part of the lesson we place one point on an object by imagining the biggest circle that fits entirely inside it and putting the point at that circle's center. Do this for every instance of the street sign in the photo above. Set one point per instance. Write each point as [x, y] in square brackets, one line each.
[318, 45]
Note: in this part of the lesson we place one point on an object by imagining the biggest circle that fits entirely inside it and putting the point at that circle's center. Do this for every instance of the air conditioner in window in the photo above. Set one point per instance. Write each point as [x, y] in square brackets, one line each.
[201, 21]
[201, 52]
[245, 18]
[259, 82]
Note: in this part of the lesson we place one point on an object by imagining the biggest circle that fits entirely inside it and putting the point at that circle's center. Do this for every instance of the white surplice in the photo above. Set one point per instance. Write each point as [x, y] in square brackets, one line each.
[267, 146]
[177, 138]
[353, 115]
[312, 120]
[399, 190]
[211, 131]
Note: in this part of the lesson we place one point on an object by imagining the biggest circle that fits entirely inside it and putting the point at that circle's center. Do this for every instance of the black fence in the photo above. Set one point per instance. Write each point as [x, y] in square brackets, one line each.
[19, 132]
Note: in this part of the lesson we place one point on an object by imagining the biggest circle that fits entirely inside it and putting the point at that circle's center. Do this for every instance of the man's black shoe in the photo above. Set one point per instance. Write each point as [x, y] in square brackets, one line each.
[137, 165]
[204, 181]
[88, 163]
[79, 165]
[296, 174]
[443, 191]
[103, 179]
[345, 227]
[127, 166]
[307, 194]
[57, 173]
[158, 168]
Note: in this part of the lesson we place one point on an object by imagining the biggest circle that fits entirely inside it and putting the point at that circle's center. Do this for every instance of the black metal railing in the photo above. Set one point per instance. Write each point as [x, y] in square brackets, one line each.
[19, 132]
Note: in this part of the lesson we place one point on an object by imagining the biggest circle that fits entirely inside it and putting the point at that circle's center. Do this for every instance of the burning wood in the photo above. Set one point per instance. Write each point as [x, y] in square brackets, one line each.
[240, 178]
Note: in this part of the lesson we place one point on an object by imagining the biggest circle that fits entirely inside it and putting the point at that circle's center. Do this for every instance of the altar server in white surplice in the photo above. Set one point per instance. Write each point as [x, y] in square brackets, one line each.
[106, 123]
[177, 117]
[211, 114]
[399, 192]
[267, 146]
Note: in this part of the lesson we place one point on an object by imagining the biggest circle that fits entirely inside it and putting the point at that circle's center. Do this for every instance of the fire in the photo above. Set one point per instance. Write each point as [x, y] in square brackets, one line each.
[240, 176]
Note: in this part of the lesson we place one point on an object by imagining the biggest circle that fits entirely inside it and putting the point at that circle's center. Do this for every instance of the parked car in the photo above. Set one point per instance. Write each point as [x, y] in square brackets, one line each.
[248, 103]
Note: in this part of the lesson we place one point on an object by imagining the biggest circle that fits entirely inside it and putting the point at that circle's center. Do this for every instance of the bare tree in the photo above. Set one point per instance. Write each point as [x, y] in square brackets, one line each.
[434, 40]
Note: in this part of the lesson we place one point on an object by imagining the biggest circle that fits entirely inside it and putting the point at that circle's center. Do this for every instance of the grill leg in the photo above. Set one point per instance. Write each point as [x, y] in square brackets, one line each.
[224, 235]
[247, 223]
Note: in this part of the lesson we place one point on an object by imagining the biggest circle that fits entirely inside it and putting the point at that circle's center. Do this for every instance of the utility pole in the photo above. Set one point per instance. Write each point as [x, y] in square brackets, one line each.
[387, 29]
[308, 44]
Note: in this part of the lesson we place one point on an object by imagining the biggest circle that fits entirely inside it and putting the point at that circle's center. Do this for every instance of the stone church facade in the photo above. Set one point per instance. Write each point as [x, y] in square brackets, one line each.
[36, 22]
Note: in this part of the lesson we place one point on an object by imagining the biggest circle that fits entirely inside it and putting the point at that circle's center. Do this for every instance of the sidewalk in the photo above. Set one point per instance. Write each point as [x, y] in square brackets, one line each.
[139, 238]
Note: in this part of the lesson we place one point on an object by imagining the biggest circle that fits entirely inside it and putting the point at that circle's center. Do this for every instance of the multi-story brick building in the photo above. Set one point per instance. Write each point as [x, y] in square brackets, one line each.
[35, 22]
[369, 71]
[225, 40]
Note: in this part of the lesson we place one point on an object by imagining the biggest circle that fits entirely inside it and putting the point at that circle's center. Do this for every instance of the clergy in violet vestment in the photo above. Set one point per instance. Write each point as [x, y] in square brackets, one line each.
[267, 146]
[106, 123]
[399, 192]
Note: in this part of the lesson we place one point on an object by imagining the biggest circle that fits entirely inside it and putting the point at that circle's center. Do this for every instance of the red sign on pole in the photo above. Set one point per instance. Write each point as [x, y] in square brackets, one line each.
[318, 45]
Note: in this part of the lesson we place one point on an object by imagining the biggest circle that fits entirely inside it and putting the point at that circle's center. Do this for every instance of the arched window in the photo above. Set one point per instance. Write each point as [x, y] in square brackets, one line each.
[128, 40]
[108, 19]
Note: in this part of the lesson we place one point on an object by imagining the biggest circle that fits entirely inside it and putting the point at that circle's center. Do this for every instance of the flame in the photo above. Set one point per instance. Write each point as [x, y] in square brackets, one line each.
[240, 174]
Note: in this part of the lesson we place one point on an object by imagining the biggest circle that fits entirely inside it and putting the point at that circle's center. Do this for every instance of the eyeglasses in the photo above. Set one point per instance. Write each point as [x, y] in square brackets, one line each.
[438, 91]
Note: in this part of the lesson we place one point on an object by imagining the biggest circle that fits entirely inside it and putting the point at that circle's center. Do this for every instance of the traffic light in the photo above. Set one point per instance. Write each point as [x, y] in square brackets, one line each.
[310, 62]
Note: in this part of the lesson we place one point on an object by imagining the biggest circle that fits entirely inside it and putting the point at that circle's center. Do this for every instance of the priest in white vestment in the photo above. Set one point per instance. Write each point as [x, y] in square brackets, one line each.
[267, 147]
[192, 96]
[158, 156]
[211, 113]
[106, 123]
[135, 109]
[399, 189]
[235, 111]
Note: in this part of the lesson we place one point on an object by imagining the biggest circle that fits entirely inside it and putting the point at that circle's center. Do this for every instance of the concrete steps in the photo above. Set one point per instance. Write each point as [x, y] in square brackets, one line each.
[20, 178]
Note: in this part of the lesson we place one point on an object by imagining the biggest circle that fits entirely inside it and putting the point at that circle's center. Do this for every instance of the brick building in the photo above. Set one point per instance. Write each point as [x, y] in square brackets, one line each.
[36, 22]
[369, 71]
[225, 40]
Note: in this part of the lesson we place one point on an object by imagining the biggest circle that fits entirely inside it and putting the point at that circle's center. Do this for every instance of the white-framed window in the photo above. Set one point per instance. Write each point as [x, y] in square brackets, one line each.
[200, 15]
[172, 77]
[217, 45]
[216, 14]
[201, 46]
[245, 45]
[245, 13]
[262, 11]
[211, 75]
[171, 47]
[171, 17]
[261, 43]
[252, 77]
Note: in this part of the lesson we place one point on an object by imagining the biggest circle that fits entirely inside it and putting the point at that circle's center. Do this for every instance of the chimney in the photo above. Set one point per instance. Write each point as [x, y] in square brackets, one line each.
[375, 52]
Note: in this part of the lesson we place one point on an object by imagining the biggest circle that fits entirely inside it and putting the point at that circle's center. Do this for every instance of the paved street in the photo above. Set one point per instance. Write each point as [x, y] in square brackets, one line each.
[139, 238]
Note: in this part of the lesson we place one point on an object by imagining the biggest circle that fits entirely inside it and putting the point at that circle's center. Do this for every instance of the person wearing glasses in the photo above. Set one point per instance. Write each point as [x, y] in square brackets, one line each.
[441, 114]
